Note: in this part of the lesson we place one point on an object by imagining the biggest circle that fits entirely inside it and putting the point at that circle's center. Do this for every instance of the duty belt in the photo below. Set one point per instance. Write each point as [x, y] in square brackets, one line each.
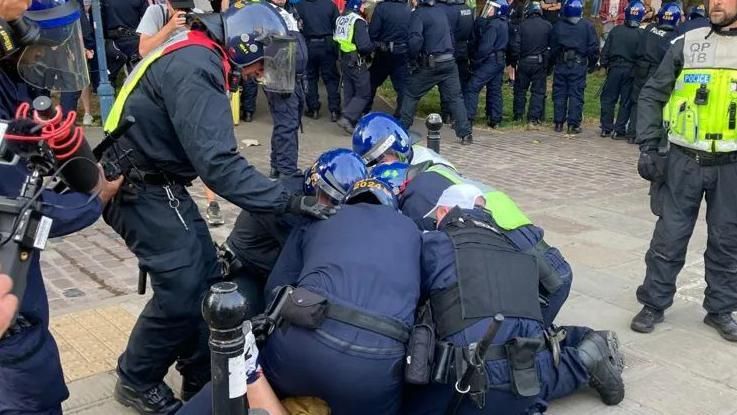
[706, 159]
[120, 32]
[316, 39]
[399, 47]
[533, 58]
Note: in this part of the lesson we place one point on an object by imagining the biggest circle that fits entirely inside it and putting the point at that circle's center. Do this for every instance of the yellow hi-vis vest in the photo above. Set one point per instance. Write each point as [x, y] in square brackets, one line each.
[344, 26]
[181, 40]
[502, 208]
[702, 110]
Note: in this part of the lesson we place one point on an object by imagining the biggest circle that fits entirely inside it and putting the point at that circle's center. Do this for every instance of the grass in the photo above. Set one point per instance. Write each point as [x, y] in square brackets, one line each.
[431, 102]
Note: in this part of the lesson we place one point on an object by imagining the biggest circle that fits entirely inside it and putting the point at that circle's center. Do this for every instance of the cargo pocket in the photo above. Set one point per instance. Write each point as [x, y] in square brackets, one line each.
[657, 193]
[306, 309]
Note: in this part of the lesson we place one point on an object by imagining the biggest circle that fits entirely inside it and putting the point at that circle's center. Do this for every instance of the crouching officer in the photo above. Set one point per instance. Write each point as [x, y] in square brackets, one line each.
[574, 45]
[350, 308]
[618, 57]
[489, 59]
[433, 64]
[183, 130]
[525, 366]
[351, 33]
[653, 46]
[530, 50]
[254, 244]
[388, 30]
[693, 95]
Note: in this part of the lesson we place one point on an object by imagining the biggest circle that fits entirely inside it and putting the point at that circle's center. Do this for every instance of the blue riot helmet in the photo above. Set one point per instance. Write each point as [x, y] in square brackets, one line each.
[354, 5]
[634, 13]
[696, 12]
[533, 8]
[495, 8]
[56, 59]
[669, 15]
[372, 191]
[255, 33]
[308, 188]
[376, 134]
[334, 173]
[572, 11]
[394, 174]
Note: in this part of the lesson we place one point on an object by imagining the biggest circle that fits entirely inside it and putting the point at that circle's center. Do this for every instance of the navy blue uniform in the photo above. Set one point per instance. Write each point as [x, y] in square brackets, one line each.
[330, 258]
[120, 20]
[422, 193]
[389, 31]
[439, 273]
[573, 48]
[318, 20]
[248, 96]
[431, 52]
[618, 57]
[654, 43]
[356, 76]
[530, 51]
[460, 19]
[183, 130]
[488, 60]
[693, 23]
[31, 378]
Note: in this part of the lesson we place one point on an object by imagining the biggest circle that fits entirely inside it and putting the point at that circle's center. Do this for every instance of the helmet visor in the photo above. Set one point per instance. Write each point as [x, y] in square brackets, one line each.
[280, 64]
[57, 62]
[489, 9]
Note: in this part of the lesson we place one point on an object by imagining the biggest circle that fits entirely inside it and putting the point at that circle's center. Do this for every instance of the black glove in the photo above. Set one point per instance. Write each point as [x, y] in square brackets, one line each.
[261, 327]
[308, 206]
[651, 166]
[8, 44]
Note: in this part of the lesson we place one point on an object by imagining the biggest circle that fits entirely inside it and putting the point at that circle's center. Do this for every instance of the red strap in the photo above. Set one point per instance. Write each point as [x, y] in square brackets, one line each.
[200, 38]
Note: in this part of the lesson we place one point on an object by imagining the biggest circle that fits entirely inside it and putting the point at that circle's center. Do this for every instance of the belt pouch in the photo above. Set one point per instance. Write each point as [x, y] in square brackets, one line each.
[420, 354]
[523, 371]
[305, 309]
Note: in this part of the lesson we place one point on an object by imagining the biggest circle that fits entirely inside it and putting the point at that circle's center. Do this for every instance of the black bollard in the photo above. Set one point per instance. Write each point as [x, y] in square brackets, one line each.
[434, 123]
[224, 310]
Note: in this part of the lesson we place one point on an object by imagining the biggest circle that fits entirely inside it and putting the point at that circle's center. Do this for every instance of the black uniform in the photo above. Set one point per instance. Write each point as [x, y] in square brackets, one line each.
[431, 51]
[461, 20]
[356, 76]
[318, 25]
[183, 130]
[120, 19]
[655, 42]
[530, 50]
[693, 23]
[491, 35]
[388, 30]
[618, 57]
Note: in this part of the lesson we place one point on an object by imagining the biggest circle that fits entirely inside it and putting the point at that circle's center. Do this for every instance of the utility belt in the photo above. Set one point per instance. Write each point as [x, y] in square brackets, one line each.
[393, 47]
[620, 62]
[707, 159]
[304, 308]
[570, 56]
[533, 59]
[354, 60]
[120, 32]
[319, 39]
[430, 61]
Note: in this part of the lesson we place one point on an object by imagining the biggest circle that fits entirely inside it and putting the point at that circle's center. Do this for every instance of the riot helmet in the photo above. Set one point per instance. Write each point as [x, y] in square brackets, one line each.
[533, 8]
[495, 8]
[634, 13]
[669, 15]
[334, 173]
[372, 191]
[696, 12]
[376, 134]
[394, 174]
[572, 11]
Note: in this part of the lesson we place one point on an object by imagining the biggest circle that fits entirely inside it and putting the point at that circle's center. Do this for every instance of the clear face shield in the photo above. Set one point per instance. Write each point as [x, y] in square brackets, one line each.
[280, 64]
[57, 60]
[489, 9]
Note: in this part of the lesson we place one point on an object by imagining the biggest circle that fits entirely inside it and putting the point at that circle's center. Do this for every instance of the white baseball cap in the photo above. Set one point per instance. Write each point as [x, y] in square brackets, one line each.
[462, 195]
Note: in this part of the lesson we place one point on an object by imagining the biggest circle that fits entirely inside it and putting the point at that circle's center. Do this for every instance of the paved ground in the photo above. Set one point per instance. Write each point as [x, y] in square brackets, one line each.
[585, 192]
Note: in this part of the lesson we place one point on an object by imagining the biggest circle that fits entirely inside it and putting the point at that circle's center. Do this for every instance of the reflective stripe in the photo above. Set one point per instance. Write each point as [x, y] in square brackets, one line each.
[344, 26]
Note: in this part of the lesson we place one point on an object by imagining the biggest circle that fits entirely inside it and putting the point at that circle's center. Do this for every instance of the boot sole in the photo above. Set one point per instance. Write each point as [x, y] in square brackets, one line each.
[713, 325]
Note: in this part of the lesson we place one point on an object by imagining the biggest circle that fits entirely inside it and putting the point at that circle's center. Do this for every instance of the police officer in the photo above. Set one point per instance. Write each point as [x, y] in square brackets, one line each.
[363, 265]
[319, 17]
[432, 61]
[530, 51]
[523, 368]
[700, 114]
[388, 31]
[655, 42]
[394, 173]
[488, 60]
[618, 57]
[120, 20]
[351, 33]
[696, 18]
[184, 130]
[286, 105]
[574, 45]
[249, 86]
[461, 20]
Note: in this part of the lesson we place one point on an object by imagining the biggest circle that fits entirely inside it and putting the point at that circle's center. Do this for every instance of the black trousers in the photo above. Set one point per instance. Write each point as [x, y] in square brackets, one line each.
[676, 202]
[389, 65]
[356, 89]
[640, 76]
[617, 89]
[532, 76]
[322, 63]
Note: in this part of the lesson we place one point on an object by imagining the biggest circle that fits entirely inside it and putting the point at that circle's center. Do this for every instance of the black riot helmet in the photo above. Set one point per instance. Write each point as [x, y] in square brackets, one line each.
[533, 8]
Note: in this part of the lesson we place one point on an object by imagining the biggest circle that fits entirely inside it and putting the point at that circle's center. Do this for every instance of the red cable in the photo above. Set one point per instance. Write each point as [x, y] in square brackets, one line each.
[61, 134]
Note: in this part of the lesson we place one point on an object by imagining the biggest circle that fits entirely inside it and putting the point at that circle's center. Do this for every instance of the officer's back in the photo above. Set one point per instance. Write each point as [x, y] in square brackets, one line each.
[122, 13]
[534, 32]
[464, 29]
[390, 22]
[491, 35]
[451, 13]
[577, 37]
[318, 17]
[621, 45]
[429, 32]
[655, 42]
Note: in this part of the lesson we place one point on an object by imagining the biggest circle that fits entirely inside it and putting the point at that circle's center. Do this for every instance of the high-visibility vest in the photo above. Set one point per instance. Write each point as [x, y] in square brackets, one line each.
[502, 208]
[344, 27]
[702, 110]
[182, 40]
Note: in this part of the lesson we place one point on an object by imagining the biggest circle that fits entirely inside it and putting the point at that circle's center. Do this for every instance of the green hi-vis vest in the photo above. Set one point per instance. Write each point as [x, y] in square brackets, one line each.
[181, 40]
[344, 27]
[502, 208]
[702, 110]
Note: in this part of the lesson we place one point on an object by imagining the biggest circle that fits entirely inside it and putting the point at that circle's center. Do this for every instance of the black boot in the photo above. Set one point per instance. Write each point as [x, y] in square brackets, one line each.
[491, 124]
[646, 319]
[191, 385]
[619, 136]
[346, 125]
[467, 139]
[248, 117]
[605, 133]
[599, 352]
[314, 114]
[558, 127]
[274, 174]
[157, 400]
[724, 324]
[447, 119]
[334, 116]
[574, 129]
